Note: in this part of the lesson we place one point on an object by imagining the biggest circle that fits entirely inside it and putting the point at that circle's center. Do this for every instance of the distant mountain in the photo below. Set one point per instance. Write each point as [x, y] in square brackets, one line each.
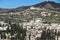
[19, 9]
[50, 5]
[3, 10]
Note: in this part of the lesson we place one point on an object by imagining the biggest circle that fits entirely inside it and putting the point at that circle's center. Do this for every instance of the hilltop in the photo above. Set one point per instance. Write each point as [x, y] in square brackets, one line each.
[49, 5]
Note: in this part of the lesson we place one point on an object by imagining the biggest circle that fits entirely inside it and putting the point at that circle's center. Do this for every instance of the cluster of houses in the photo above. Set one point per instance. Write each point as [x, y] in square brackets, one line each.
[34, 29]
[6, 31]
[36, 26]
[4, 34]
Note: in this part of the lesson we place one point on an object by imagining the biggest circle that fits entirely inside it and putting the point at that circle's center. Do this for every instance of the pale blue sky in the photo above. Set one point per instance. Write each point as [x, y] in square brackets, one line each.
[17, 3]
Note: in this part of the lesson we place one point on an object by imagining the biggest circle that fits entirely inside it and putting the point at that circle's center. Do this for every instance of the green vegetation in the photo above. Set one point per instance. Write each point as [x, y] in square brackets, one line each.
[46, 35]
[28, 15]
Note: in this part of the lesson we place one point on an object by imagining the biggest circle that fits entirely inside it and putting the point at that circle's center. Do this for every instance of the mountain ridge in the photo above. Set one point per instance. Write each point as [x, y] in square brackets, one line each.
[50, 5]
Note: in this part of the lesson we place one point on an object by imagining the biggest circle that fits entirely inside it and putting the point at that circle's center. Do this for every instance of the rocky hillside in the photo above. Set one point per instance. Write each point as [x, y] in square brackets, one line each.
[50, 5]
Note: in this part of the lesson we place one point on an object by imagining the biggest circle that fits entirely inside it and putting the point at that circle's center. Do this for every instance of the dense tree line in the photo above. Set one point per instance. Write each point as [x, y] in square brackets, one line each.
[17, 29]
[46, 35]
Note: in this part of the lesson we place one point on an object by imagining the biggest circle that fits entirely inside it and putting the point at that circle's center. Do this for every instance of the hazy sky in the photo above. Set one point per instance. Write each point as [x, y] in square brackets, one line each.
[17, 3]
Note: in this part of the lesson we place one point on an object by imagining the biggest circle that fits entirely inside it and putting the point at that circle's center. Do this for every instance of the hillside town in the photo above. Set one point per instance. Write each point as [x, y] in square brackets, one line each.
[36, 22]
[36, 29]
[31, 24]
